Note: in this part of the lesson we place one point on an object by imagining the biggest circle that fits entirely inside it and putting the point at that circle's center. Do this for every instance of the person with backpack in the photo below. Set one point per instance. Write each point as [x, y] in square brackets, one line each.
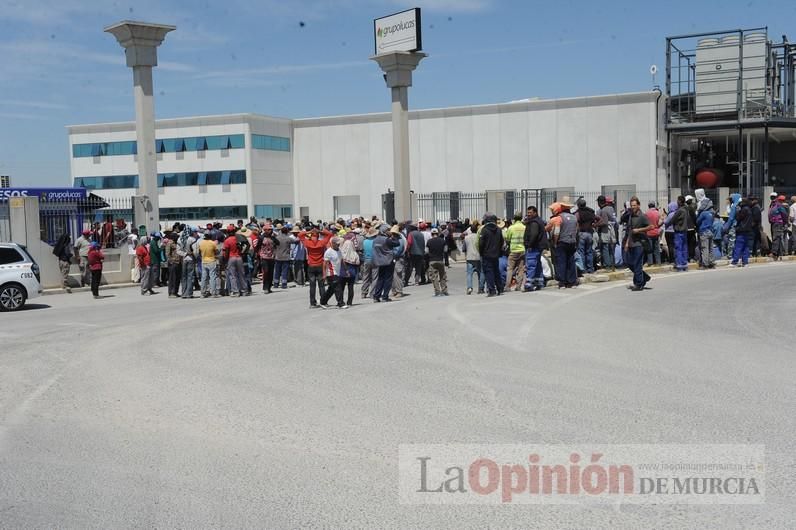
[743, 235]
[490, 244]
[778, 217]
[606, 232]
[536, 242]
[63, 251]
[436, 261]
[563, 231]
[349, 268]
[384, 259]
[678, 220]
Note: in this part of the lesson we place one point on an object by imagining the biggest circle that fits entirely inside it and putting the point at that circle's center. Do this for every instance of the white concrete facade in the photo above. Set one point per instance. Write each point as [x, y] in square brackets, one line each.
[268, 173]
[584, 143]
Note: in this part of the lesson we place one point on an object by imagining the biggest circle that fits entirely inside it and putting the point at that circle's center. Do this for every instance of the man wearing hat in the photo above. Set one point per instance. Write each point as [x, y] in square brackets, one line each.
[298, 257]
[82, 246]
[436, 263]
[490, 246]
[282, 256]
[232, 256]
[384, 259]
[606, 234]
[563, 230]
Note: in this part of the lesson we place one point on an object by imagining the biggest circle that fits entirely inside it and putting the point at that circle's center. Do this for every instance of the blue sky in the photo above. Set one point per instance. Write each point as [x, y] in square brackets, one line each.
[58, 68]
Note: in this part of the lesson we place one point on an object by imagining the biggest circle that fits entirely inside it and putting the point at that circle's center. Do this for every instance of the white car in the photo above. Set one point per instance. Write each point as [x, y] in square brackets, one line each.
[19, 277]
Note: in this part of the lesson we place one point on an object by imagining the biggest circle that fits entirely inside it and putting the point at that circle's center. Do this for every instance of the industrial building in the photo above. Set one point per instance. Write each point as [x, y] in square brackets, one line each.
[725, 118]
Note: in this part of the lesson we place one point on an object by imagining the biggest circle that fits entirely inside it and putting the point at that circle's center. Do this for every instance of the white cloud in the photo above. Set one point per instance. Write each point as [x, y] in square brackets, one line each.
[23, 116]
[286, 69]
[33, 104]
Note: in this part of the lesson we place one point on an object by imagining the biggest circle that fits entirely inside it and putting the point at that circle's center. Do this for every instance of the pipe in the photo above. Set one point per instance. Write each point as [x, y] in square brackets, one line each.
[657, 136]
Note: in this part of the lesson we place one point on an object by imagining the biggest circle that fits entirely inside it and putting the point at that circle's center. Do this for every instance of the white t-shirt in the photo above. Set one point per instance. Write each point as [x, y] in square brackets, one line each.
[792, 213]
[332, 261]
[132, 242]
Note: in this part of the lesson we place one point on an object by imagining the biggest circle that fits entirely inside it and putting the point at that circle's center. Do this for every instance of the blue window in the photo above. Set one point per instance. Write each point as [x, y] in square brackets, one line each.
[270, 143]
[107, 183]
[201, 179]
[161, 180]
[237, 177]
[204, 213]
[217, 142]
[225, 176]
[274, 211]
[166, 145]
[104, 149]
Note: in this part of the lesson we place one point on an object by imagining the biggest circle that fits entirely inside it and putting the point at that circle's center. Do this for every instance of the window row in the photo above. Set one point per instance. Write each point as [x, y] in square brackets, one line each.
[166, 145]
[271, 143]
[165, 180]
[201, 213]
[104, 149]
[273, 211]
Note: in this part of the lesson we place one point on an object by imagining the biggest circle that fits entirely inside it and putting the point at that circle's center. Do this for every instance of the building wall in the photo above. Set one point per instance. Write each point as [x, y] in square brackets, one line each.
[268, 173]
[583, 142]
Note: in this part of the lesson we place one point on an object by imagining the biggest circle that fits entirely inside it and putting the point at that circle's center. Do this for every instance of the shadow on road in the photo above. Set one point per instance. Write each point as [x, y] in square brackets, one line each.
[33, 307]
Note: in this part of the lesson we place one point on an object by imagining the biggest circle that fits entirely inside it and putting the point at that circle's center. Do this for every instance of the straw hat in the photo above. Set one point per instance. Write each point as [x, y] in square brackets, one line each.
[296, 230]
[501, 223]
[395, 229]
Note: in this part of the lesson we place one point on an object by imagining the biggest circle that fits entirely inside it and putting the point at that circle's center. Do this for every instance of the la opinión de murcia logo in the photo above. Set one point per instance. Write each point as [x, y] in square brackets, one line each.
[709, 474]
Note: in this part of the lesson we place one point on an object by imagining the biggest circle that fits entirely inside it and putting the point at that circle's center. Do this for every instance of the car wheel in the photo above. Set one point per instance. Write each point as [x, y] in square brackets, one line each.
[12, 297]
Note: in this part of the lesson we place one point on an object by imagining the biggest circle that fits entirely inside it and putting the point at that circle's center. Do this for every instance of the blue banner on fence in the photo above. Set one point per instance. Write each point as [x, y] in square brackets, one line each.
[45, 194]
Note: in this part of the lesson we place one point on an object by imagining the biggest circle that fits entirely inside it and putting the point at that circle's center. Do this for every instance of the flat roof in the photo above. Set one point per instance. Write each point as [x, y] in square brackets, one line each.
[491, 108]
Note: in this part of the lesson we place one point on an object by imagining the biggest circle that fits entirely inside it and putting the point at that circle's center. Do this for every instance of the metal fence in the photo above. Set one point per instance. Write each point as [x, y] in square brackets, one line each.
[108, 220]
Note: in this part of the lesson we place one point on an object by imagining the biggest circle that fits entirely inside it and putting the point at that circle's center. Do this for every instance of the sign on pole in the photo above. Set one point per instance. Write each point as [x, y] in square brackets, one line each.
[398, 33]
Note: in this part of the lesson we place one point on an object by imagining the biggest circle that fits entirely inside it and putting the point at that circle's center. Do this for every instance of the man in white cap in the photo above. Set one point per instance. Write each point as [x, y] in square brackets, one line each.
[436, 263]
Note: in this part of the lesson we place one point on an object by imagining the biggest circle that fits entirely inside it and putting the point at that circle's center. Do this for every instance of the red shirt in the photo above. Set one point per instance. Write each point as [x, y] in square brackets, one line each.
[142, 254]
[653, 216]
[315, 248]
[95, 257]
[231, 247]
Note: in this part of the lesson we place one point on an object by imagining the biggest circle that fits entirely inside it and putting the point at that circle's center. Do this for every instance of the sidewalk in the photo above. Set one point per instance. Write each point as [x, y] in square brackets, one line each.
[597, 277]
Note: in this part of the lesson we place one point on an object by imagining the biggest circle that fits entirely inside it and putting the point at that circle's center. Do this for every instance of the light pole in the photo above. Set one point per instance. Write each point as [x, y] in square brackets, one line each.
[398, 67]
[140, 41]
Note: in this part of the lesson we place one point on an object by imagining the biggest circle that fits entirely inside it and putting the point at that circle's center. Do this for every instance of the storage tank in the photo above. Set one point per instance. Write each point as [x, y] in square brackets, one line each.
[754, 70]
[718, 69]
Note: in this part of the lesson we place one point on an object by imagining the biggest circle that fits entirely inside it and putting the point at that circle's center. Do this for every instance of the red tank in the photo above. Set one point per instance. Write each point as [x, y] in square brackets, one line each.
[707, 178]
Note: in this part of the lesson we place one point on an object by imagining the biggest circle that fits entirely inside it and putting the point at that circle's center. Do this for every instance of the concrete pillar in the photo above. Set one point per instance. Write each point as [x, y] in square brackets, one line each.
[23, 218]
[398, 68]
[765, 204]
[724, 194]
[140, 41]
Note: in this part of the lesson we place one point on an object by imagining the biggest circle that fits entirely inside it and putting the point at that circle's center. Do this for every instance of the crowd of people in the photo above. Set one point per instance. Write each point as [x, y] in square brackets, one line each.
[520, 254]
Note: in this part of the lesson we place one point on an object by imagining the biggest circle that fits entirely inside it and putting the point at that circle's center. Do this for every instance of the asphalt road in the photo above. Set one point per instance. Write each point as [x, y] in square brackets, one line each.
[149, 412]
